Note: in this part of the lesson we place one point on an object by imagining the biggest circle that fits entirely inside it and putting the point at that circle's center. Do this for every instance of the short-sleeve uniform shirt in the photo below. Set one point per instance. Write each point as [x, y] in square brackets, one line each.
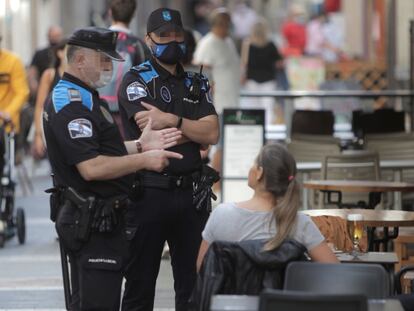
[78, 127]
[154, 85]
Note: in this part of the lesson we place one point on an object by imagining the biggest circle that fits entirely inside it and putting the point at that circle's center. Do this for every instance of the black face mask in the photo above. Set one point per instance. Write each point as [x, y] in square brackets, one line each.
[170, 53]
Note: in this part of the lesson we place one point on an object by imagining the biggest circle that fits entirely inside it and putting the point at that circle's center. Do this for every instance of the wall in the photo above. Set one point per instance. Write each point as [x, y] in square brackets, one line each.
[404, 13]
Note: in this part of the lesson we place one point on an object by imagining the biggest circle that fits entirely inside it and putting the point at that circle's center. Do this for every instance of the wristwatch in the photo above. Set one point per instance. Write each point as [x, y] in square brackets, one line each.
[138, 145]
[180, 121]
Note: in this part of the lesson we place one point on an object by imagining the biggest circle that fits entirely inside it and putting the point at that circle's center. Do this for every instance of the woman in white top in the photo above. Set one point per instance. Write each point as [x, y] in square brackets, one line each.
[272, 212]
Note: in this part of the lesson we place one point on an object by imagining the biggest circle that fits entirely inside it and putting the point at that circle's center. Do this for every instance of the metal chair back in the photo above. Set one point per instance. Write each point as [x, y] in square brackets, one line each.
[370, 280]
[350, 165]
[272, 300]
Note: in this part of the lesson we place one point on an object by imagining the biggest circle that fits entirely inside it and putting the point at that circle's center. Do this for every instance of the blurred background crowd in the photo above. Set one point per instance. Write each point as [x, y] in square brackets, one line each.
[254, 46]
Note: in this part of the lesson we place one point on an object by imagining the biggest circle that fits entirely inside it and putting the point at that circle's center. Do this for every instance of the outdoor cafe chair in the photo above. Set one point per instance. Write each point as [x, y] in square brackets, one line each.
[271, 300]
[314, 122]
[370, 280]
[349, 165]
[399, 279]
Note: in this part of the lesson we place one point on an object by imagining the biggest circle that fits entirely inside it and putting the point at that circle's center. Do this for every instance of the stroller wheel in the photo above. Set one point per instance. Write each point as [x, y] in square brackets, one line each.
[2, 240]
[21, 225]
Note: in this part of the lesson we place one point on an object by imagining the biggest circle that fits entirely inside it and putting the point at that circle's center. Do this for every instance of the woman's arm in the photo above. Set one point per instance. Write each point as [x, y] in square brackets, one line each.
[323, 253]
[201, 253]
[43, 91]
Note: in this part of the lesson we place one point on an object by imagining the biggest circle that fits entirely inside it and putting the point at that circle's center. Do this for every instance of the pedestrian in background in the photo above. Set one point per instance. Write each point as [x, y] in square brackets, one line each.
[216, 51]
[43, 59]
[48, 81]
[130, 47]
[259, 59]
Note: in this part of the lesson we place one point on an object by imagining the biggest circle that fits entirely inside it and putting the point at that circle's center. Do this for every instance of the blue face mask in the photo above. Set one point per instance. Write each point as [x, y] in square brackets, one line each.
[169, 53]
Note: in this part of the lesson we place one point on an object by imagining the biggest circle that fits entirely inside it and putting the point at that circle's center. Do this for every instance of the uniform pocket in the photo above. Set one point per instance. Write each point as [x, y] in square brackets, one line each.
[100, 280]
[102, 262]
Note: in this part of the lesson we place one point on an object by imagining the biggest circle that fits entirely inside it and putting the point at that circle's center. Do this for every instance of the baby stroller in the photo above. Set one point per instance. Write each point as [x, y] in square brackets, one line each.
[12, 221]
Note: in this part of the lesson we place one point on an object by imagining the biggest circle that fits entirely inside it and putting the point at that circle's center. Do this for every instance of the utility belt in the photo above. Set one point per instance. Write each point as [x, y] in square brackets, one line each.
[163, 181]
[201, 182]
[76, 215]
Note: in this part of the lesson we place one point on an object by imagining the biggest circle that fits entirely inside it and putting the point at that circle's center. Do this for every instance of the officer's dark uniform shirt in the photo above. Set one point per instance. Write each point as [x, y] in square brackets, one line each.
[152, 84]
[79, 127]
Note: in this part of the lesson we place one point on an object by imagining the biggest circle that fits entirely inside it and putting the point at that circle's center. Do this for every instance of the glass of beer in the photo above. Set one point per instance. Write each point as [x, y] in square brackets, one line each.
[355, 230]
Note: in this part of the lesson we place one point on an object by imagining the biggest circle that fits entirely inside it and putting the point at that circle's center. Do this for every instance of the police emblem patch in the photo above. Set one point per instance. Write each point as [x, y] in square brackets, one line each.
[80, 128]
[166, 15]
[135, 91]
[165, 94]
[107, 115]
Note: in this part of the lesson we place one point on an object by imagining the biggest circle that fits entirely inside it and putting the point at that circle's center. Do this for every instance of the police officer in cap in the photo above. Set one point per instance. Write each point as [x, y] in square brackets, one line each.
[92, 167]
[160, 89]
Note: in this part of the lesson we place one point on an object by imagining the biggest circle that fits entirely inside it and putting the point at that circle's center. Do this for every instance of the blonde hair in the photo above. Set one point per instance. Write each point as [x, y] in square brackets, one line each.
[218, 16]
[259, 33]
[279, 171]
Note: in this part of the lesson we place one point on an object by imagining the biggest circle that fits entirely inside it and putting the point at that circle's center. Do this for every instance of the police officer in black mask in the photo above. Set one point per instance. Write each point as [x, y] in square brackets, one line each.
[167, 205]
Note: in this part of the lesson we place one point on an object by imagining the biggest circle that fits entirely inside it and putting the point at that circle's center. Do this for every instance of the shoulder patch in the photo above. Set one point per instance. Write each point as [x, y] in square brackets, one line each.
[136, 91]
[66, 92]
[146, 71]
[80, 128]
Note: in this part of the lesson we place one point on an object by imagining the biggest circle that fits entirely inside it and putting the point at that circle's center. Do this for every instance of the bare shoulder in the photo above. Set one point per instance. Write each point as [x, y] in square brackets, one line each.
[48, 75]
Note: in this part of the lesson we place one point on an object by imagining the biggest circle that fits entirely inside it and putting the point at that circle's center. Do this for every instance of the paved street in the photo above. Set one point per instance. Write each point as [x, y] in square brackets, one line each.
[30, 274]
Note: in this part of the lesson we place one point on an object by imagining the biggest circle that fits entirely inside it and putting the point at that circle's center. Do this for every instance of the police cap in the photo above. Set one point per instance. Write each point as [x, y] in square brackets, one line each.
[164, 19]
[96, 38]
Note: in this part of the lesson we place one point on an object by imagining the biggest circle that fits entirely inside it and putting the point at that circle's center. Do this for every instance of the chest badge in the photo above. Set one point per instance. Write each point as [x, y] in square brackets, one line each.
[165, 94]
[107, 115]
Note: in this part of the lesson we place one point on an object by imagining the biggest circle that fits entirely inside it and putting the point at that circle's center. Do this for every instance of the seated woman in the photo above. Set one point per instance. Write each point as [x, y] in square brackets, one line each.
[272, 212]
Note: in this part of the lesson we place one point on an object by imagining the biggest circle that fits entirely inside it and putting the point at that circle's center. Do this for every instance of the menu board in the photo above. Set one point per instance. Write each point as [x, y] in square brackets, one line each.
[243, 137]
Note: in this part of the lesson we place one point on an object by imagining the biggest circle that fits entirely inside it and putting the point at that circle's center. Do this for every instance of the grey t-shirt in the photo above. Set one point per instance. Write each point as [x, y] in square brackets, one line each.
[229, 222]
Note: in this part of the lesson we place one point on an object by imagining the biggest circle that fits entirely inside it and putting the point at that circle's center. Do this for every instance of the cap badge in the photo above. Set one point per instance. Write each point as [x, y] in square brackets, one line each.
[166, 15]
[114, 37]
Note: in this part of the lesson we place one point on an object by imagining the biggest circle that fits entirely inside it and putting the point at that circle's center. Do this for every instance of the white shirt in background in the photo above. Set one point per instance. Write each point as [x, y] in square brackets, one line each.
[221, 55]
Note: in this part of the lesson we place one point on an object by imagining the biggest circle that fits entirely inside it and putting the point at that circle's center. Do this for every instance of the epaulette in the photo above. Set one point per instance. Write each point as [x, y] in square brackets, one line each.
[66, 92]
[146, 71]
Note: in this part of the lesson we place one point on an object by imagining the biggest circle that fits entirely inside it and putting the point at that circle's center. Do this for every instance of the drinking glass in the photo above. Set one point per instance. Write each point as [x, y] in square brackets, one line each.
[355, 224]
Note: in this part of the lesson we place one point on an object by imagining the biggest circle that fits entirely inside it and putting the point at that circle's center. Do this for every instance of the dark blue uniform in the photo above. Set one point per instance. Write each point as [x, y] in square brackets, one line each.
[79, 127]
[164, 210]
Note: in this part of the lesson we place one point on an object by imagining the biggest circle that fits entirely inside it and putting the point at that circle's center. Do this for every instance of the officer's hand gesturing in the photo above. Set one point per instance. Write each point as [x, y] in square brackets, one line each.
[160, 119]
[157, 160]
[158, 139]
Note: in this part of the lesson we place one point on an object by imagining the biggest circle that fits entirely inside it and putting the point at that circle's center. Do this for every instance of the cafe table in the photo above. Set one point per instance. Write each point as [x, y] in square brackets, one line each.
[373, 219]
